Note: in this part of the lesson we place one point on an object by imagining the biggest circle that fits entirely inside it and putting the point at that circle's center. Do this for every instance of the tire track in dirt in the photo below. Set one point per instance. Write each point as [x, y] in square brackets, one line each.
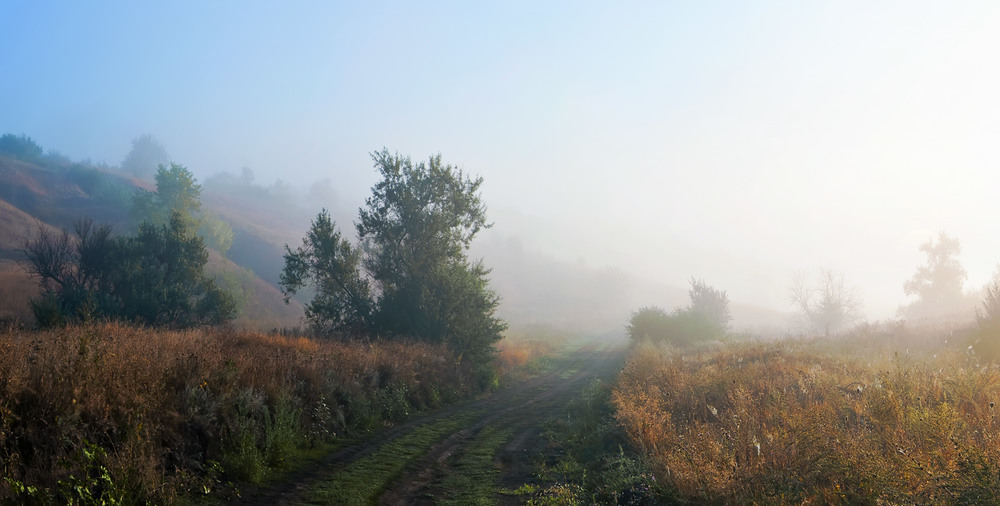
[420, 485]
[524, 405]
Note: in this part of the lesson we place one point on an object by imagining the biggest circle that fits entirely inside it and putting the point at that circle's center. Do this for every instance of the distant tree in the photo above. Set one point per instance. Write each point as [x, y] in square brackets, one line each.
[711, 305]
[155, 277]
[414, 233]
[706, 318]
[146, 155]
[828, 306]
[939, 283]
[649, 323]
[21, 147]
[177, 191]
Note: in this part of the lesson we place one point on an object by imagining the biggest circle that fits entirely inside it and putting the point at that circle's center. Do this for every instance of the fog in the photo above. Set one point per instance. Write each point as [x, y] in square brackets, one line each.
[659, 141]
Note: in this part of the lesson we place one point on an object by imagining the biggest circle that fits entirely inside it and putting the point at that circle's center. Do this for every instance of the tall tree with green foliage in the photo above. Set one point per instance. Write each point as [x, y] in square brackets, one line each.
[414, 233]
[342, 303]
[177, 191]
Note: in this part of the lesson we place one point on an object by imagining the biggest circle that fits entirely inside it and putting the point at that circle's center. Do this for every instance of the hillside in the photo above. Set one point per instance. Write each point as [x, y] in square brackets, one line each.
[54, 194]
[536, 290]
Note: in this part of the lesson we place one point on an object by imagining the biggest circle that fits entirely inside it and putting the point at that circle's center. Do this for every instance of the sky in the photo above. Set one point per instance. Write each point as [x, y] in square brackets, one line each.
[738, 142]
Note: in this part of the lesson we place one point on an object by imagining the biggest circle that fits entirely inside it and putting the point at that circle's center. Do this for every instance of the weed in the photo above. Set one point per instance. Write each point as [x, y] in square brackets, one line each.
[867, 420]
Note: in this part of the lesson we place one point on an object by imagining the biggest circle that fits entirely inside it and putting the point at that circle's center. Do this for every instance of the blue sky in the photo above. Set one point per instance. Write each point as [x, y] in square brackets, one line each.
[734, 141]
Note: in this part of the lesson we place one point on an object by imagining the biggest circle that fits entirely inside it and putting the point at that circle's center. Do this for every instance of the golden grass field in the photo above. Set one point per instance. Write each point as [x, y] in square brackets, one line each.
[163, 414]
[883, 416]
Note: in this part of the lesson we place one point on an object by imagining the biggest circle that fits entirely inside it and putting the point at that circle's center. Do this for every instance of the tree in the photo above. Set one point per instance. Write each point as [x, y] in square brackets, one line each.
[706, 318]
[829, 306]
[938, 284]
[410, 274]
[22, 147]
[155, 277]
[710, 305]
[177, 191]
[146, 155]
[342, 303]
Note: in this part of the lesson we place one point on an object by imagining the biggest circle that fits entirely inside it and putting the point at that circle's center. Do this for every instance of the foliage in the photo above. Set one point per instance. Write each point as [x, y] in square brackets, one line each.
[707, 317]
[342, 303]
[22, 147]
[155, 277]
[410, 276]
[867, 420]
[170, 413]
[146, 155]
[593, 465]
[178, 192]
[710, 305]
[828, 307]
[938, 284]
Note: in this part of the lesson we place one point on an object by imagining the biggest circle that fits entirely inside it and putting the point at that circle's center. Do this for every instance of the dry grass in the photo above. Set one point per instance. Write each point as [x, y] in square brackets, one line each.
[867, 419]
[185, 412]
[16, 290]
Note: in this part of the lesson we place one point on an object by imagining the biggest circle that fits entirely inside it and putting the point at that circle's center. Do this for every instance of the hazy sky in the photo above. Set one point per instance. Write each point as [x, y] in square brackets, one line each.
[733, 141]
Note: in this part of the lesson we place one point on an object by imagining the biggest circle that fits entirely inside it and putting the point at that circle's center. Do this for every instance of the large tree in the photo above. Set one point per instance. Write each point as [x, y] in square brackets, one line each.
[410, 274]
[177, 191]
[938, 285]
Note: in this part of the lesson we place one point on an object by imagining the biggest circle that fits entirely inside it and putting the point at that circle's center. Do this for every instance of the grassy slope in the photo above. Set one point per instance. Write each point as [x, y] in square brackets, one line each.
[32, 196]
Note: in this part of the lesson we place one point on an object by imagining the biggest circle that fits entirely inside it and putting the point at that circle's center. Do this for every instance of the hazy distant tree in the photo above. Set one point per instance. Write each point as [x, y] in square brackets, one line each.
[649, 323]
[711, 305]
[706, 318]
[828, 306]
[146, 155]
[414, 233]
[939, 283]
[21, 147]
[177, 191]
[155, 277]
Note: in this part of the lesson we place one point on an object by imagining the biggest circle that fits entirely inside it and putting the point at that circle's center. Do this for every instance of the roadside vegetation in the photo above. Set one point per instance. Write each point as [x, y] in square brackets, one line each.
[878, 416]
[128, 415]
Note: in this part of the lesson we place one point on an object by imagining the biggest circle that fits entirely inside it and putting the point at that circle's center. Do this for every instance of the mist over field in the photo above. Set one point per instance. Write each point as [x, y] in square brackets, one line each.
[625, 149]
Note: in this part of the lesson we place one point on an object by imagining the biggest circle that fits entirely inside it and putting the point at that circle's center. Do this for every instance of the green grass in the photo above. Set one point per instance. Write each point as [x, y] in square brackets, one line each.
[473, 480]
[367, 478]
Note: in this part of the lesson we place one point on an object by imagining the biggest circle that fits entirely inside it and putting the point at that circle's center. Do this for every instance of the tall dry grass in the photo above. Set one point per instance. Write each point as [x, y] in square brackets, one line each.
[169, 413]
[16, 290]
[872, 418]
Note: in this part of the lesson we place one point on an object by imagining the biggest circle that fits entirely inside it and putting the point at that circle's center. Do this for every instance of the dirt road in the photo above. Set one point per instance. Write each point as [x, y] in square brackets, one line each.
[464, 453]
